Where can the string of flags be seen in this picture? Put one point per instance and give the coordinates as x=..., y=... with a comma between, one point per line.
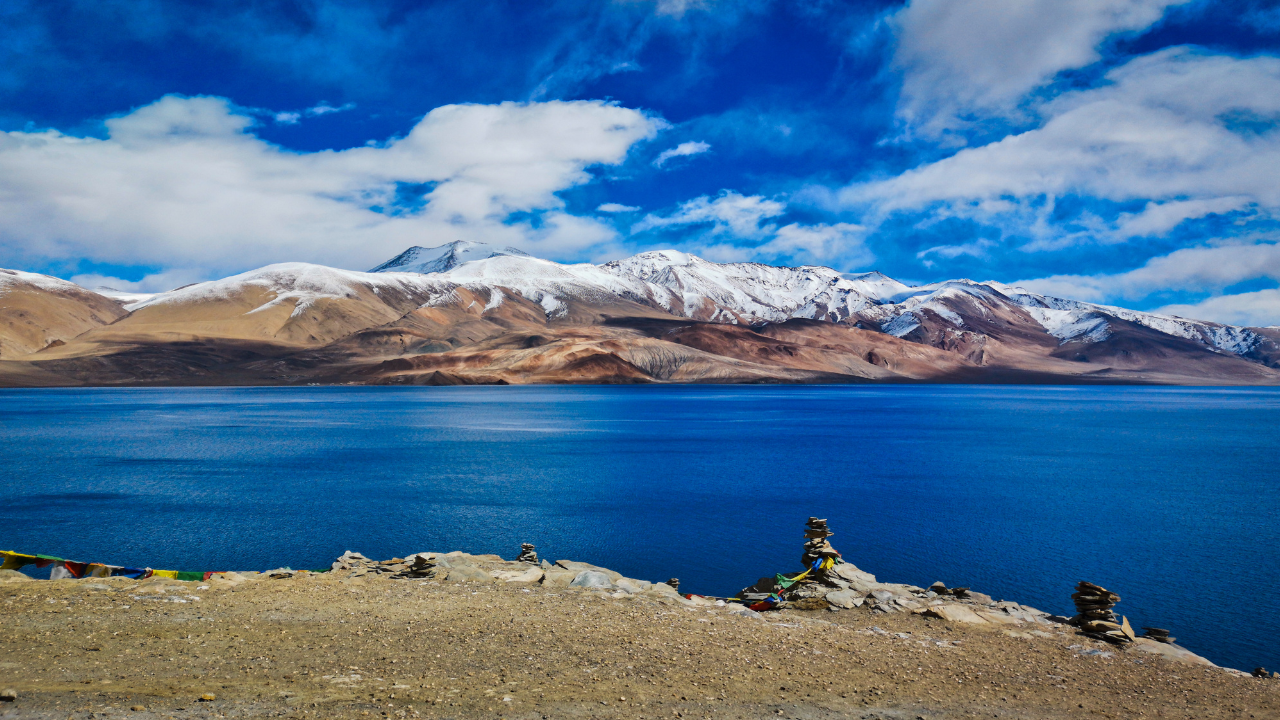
x=64, y=569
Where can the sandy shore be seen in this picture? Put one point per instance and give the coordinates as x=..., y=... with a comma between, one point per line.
x=325, y=645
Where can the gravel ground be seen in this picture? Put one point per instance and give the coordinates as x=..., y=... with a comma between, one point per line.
x=321, y=646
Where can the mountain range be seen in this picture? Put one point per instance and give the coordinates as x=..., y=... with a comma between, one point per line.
x=470, y=313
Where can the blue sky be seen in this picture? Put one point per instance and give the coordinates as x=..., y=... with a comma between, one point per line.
x=1119, y=151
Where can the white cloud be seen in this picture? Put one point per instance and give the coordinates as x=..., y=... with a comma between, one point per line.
x=1253, y=309
x=685, y=148
x=822, y=242
x=1205, y=269
x=617, y=208
x=154, y=282
x=288, y=118
x=960, y=57
x=184, y=183
x=325, y=108
x=728, y=212
x=1172, y=128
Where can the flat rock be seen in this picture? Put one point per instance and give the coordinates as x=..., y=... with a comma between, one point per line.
x=532, y=575
x=468, y=573
x=846, y=599
x=1169, y=651
x=954, y=612
x=996, y=617
x=581, y=566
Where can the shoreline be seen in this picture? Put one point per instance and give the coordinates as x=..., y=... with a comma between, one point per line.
x=478, y=636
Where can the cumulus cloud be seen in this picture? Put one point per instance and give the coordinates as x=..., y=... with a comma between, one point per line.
x=1203, y=269
x=964, y=57
x=729, y=212
x=1190, y=133
x=685, y=148
x=617, y=208
x=184, y=182
x=821, y=243
x=1253, y=309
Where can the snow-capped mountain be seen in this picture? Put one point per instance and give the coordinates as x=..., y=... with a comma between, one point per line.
x=473, y=313
x=445, y=257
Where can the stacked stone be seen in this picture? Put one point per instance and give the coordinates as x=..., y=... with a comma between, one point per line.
x=527, y=554
x=1095, y=616
x=817, y=548
x=1157, y=634
x=674, y=583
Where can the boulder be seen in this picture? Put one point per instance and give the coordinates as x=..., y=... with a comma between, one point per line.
x=632, y=586
x=557, y=577
x=978, y=597
x=664, y=589
x=592, y=579
x=846, y=599
x=13, y=576
x=954, y=612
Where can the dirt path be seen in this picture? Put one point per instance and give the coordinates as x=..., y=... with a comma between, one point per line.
x=322, y=646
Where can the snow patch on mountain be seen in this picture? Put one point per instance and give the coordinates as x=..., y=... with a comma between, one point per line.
x=758, y=293
x=122, y=296
x=302, y=283
x=1068, y=325
x=444, y=257
x=1227, y=338
x=15, y=279
x=551, y=284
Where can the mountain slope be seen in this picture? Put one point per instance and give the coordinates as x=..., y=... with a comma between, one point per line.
x=39, y=310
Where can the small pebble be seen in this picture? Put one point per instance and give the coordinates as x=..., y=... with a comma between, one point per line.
x=8, y=695
x=208, y=697
x=137, y=708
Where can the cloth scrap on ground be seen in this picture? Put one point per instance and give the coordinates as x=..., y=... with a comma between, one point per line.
x=64, y=569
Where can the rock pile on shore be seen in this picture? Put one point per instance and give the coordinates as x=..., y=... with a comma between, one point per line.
x=527, y=554
x=1157, y=634
x=1095, y=616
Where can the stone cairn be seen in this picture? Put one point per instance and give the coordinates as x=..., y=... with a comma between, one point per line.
x=816, y=549
x=1095, y=616
x=1157, y=634
x=527, y=554
x=674, y=583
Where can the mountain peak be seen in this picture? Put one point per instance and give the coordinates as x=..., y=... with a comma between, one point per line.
x=445, y=257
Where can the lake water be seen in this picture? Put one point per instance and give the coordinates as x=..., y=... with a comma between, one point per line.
x=1168, y=496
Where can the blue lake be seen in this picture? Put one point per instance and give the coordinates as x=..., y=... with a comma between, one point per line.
x=1168, y=496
